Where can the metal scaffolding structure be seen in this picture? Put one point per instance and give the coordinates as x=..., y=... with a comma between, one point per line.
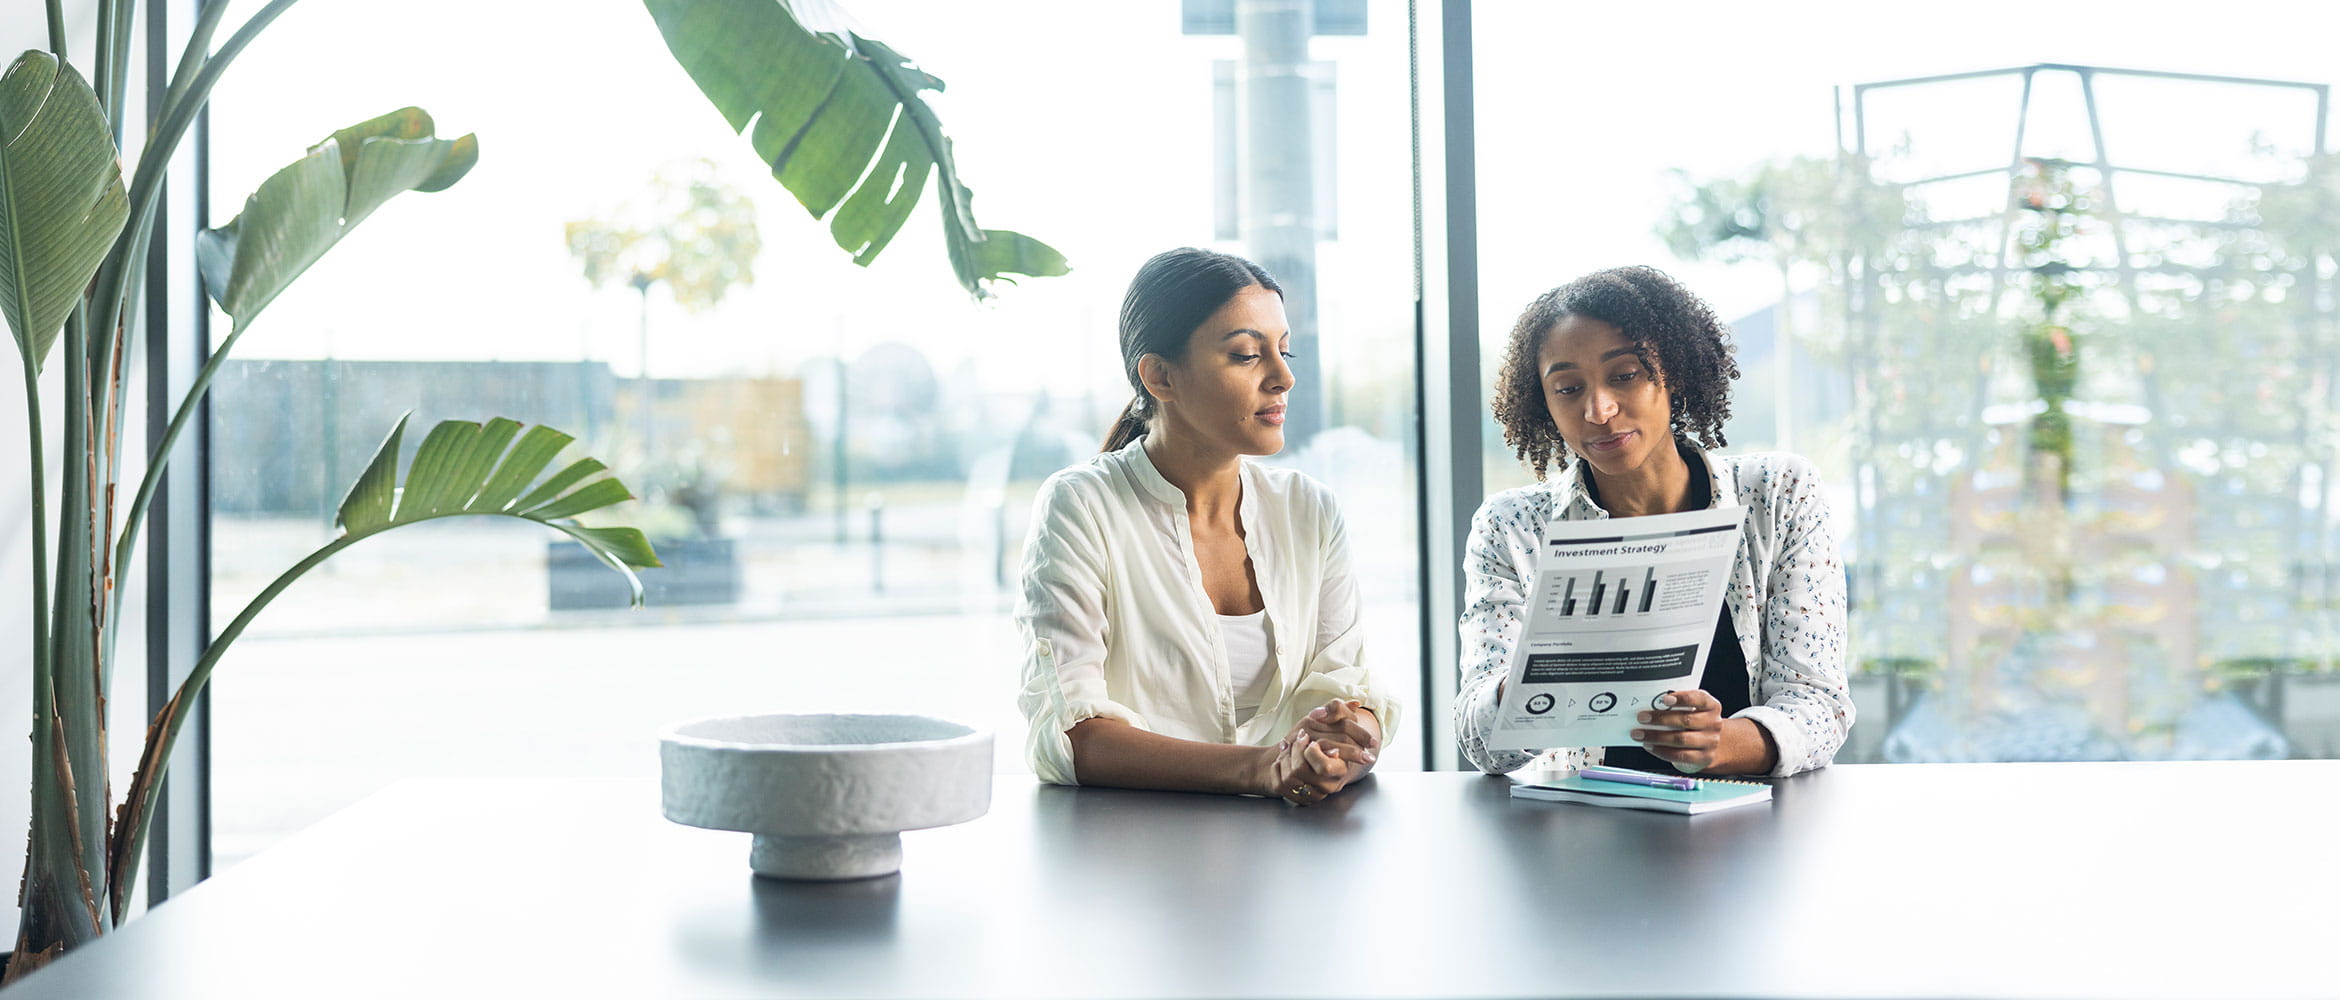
x=1930, y=448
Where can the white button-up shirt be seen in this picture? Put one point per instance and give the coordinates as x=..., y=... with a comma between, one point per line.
x=1116, y=624
x=1786, y=599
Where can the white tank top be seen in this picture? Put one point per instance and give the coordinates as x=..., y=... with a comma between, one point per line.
x=1251, y=664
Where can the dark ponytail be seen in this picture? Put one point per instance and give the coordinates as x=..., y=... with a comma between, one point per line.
x=1129, y=426
x=1168, y=300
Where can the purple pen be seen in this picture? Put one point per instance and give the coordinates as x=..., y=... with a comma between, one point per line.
x=1625, y=777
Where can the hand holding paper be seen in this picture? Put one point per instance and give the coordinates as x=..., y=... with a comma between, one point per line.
x=1621, y=611
x=1687, y=733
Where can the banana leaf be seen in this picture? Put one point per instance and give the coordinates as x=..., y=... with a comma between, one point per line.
x=61, y=197
x=839, y=118
x=298, y=214
x=307, y=207
x=461, y=469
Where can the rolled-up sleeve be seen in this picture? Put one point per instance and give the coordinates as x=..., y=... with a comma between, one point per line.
x=1807, y=705
x=1061, y=617
x=1336, y=659
x=1494, y=611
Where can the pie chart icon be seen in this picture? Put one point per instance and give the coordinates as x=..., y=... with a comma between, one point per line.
x=1602, y=702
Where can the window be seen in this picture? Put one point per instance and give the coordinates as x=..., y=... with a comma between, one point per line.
x=837, y=462
x=2058, y=335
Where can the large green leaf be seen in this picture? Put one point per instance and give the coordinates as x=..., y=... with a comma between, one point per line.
x=61, y=197
x=840, y=119
x=307, y=207
x=462, y=469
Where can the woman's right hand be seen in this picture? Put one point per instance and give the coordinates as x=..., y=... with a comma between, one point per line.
x=1300, y=771
x=1310, y=764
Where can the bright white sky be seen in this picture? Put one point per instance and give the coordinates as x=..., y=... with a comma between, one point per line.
x=1086, y=124
x=1582, y=105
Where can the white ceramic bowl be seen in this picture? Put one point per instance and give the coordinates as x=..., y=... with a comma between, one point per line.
x=826, y=796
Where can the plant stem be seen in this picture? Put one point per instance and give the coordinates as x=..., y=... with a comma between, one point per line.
x=57, y=28
x=160, y=458
x=105, y=475
x=129, y=837
x=163, y=733
x=76, y=675
x=40, y=536
x=103, y=79
x=185, y=101
x=133, y=288
x=68, y=477
x=176, y=117
x=125, y=12
x=198, y=50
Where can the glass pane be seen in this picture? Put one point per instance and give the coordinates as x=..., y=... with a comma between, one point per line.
x=837, y=462
x=2060, y=337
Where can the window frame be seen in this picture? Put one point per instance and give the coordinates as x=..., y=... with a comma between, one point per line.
x=1447, y=396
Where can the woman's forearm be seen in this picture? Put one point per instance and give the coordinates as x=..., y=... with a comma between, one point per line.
x=1114, y=753
x=1746, y=749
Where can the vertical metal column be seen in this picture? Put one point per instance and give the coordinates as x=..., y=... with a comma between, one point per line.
x=1447, y=389
x=1279, y=174
x=178, y=533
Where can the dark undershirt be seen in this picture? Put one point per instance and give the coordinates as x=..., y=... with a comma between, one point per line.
x=1726, y=664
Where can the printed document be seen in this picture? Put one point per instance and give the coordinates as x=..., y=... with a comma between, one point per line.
x=1620, y=612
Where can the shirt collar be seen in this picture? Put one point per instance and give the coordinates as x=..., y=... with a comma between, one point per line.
x=1149, y=479
x=1576, y=501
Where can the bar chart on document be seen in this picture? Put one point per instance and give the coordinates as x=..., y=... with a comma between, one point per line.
x=1620, y=614
x=1622, y=592
x=1607, y=592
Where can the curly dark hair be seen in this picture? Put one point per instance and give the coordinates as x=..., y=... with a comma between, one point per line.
x=1673, y=332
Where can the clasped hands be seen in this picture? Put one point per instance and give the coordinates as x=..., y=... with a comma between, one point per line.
x=1334, y=745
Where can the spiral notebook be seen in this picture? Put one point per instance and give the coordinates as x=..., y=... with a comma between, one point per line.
x=1710, y=795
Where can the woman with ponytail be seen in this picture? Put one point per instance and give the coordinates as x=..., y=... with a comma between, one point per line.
x=1190, y=619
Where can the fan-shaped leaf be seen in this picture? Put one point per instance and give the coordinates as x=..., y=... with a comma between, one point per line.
x=469, y=468
x=463, y=469
x=431, y=473
x=61, y=197
x=561, y=480
x=591, y=496
x=535, y=451
x=454, y=461
x=367, y=507
x=626, y=546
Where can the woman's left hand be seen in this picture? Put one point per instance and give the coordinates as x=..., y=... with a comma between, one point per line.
x=1348, y=725
x=1336, y=744
x=1691, y=734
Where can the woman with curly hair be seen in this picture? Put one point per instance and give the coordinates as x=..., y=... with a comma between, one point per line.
x=1621, y=379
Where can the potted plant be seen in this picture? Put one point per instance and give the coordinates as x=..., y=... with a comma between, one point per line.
x=78, y=238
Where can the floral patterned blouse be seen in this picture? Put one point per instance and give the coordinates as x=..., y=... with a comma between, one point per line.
x=1786, y=599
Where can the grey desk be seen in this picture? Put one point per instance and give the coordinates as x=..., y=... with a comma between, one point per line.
x=1986, y=880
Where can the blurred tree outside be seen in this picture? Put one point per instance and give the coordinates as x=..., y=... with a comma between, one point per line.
x=2074, y=553
x=696, y=237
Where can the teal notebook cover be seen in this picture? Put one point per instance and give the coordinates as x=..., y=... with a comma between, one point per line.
x=1711, y=794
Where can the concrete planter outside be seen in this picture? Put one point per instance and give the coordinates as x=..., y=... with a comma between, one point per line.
x=696, y=571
